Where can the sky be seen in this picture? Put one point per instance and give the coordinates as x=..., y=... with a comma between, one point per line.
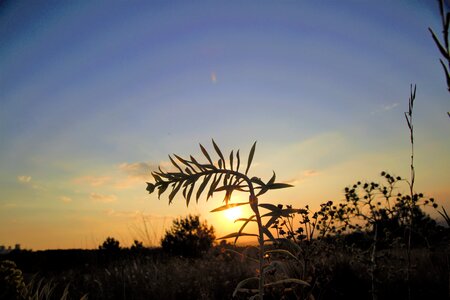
x=95, y=94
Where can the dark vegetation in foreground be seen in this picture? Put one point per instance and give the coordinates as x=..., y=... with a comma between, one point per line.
x=336, y=267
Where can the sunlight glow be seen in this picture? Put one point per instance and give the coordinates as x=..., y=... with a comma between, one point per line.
x=233, y=213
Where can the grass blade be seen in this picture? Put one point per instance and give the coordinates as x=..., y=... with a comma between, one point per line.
x=439, y=45
x=243, y=283
x=288, y=280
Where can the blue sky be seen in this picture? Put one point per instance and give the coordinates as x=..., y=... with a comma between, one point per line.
x=95, y=94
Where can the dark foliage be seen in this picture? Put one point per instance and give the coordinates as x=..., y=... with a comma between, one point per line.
x=137, y=246
x=188, y=237
x=12, y=285
x=110, y=244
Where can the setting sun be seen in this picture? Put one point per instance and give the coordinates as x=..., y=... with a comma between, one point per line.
x=233, y=213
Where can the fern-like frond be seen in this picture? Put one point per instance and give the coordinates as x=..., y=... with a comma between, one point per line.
x=220, y=176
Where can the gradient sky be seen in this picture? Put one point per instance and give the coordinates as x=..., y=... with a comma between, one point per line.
x=95, y=94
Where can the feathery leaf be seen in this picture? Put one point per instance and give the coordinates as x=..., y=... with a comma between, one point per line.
x=275, y=186
x=202, y=186
x=175, y=164
x=272, y=180
x=219, y=153
x=238, y=160
x=175, y=190
x=231, y=160
x=250, y=158
x=205, y=153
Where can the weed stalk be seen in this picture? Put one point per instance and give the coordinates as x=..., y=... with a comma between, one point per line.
x=222, y=176
x=409, y=120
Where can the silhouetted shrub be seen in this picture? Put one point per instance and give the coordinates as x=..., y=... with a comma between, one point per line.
x=137, y=246
x=188, y=237
x=12, y=285
x=110, y=244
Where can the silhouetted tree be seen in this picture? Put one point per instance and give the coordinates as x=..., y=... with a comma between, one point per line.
x=110, y=244
x=137, y=246
x=188, y=237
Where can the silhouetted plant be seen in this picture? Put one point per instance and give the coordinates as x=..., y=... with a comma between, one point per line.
x=137, y=246
x=445, y=216
x=223, y=176
x=110, y=244
x=188, y=237
x=12, y=285
x=374, y=206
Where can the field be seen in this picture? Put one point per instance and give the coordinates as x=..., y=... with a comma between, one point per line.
x=334, y=270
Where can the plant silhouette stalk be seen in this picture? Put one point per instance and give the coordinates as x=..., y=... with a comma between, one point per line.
x=254, y=205
x=409, y=120
x=373, y=260
x=225, y=177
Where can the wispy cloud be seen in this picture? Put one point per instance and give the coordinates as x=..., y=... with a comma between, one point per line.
x=385, y=107
x=95, y=181
x=136, y=214
x=65, y=199
x=96, y=197
x=27, y=180
x=124, y=176
x=213, y=77
x=128, y=182
x=24, y=178
x=140, y=170
x=390, y=106
x=303, y=176
x=122, y=214
x=310, y=173
x=137, y=174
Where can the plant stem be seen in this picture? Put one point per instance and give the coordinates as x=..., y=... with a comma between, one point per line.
x=373, y=261
x=409, y=119
x=254, y=205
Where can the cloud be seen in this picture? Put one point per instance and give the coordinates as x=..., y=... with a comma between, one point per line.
x=386, y=107
x=213, y=77
x=305, y=175
x=65, y=199
x=122, y=214
x=137, y=174
x=92, y=180
x=136, y=215
x=102, y=198
x=310, y=173
x=140, y=170
x=128, y=182
x=125, y=176
x=389, y=106
x=24, y=178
